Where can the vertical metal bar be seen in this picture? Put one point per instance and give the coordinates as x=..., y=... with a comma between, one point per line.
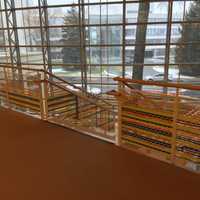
x=168, y=39
x=80, y=35
x=184, y=15
x=124, y=40
x=82, y=44
x=42, y=35
x=100, y=53
x=4, y=37
x=29, y=30
x=77, y=107
x=107, y=124
x=89, y=48
x=4, y=69
x=96, y=116
x=175, y=117
x=119, y=128
x=44, y=31
x=43, y=99
x=107, y=42
x=7, y=88
x=25, y=36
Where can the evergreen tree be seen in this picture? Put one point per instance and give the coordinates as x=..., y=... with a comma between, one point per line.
x=190, y=53
x=71, y=36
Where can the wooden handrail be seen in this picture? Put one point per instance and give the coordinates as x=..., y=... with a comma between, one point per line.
x=142, y=82
x=141, y=94
x=79, y=95
x=58, y=78
x=159, y=83
x=79, y=88
x=22, y=68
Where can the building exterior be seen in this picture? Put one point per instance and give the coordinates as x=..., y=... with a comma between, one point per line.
x=108, y=37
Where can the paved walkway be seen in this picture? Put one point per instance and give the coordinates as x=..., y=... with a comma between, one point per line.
x=40, y=161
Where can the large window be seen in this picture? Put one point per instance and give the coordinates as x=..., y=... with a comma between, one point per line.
x=89, y=42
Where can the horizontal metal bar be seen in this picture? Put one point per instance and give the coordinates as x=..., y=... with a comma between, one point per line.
x=87, y=4
x=105, y=45
x=105, y=24
x=105, y=64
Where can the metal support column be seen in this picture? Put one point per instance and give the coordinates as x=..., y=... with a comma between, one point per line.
x=168, y=39
x=124, y=40
x=13, y=40
x=83, y=55
x=44, y=30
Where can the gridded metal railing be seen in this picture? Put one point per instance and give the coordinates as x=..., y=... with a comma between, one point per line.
x=154, y=118
x=44, y=95
x=161, y=120
x=19, y=93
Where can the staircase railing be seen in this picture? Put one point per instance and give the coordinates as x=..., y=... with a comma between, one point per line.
x=160, y=119
x=51, y=98
x=81, y=90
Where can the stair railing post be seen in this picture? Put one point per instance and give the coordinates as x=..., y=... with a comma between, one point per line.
x=174, y=128
x=43, y=98
x=119, y=120
x=77, y=107
x=7, y=88
x=96, y=116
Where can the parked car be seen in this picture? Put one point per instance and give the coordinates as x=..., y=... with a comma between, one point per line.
x=160, y=77
x=115, y=74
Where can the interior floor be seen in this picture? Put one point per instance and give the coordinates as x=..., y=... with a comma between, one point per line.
x=43, y=161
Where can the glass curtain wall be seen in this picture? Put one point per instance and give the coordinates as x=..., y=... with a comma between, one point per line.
x=88, y=42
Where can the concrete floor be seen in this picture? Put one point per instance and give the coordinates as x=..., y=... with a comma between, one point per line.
x=40, y=161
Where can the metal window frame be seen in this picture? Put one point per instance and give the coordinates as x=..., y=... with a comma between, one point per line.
x=44, y=27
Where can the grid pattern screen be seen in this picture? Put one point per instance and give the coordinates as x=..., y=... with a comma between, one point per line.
x=89, y=42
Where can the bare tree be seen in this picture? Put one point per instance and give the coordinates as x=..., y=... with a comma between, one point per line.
x=139, y=54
